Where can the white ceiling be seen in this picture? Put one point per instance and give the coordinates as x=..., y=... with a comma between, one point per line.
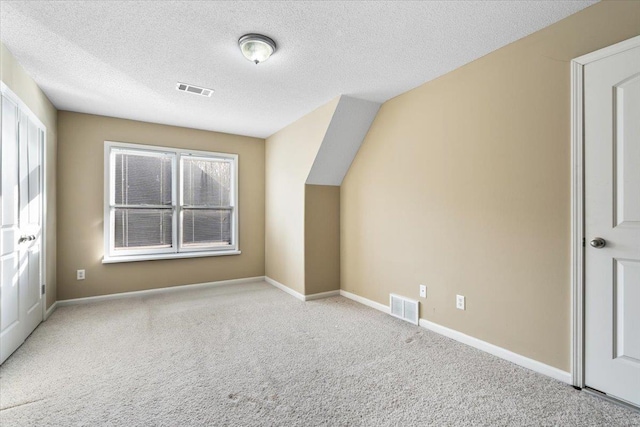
x=123, y=58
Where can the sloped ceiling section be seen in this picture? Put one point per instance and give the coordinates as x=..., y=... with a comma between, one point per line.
x=349, y=125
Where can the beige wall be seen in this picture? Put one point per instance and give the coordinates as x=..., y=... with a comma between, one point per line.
x=14, y=76
x=463, y=184
x=321, y=238
x=80, y=208
x=290, y=153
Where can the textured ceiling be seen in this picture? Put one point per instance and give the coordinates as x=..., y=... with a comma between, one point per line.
x=123, y=59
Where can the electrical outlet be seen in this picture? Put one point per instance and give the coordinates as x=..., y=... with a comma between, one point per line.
x=80, y=275
x=423, y=291
x=460, y=302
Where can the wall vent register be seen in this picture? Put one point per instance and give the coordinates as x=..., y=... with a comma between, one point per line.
x=404, y=308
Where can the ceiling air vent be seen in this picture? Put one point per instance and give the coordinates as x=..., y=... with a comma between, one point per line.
x=196, y=90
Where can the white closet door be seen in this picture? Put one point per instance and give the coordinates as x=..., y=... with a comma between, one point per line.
x=30, y=222
x=20, y=227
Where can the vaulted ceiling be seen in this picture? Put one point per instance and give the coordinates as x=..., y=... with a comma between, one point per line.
x=123, y=58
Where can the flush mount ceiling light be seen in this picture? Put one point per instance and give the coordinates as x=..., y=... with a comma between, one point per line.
x=256, y=47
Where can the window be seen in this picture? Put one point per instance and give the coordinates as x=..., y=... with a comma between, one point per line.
x=168, y=203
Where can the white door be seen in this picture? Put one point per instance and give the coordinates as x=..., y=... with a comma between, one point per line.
x=21, y=299
x=612, y=225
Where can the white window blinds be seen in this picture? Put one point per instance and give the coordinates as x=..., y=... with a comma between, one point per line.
x=206, y=207
x=163, y=201
x=142, y=209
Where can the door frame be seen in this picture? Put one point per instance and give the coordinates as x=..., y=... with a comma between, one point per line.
x=577, y=201
x=6, y=91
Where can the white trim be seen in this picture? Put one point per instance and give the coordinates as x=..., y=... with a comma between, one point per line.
x=284, y=288
x=169, y=255
x=577, y=201
x=157, y=291
x=500, y=352
x=298, y=295
x=51, y=309
x=608, y=51
x=321, y=295
x=107, y=227
x=369, y=303
x=43, y=212
x=15, y=98
x=577, y=226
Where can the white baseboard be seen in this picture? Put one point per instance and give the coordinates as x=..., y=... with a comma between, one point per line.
x=156, y=291
x=298, y=295
x=50, y=310
x=362, y=300
x=500, y=352
x=284, y=288
x=321, y=295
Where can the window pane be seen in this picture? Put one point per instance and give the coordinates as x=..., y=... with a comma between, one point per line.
x=206, y=227
x=141, y=179
x=143, y=228
x=207, y=182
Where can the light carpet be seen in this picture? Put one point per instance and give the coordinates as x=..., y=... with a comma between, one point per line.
x=251, y=355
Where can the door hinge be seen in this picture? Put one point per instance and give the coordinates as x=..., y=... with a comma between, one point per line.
x=43, y=289
x=583, y=242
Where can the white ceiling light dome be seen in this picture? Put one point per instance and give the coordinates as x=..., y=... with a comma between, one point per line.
x=256, y=47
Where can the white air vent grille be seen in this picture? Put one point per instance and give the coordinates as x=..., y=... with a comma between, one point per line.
x=404, y=308
x=196, y=90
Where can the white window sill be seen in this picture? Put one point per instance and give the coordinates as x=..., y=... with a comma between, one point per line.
x=132, y=258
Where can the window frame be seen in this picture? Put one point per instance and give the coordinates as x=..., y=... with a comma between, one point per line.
x=182, y=206
x=176, y=251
